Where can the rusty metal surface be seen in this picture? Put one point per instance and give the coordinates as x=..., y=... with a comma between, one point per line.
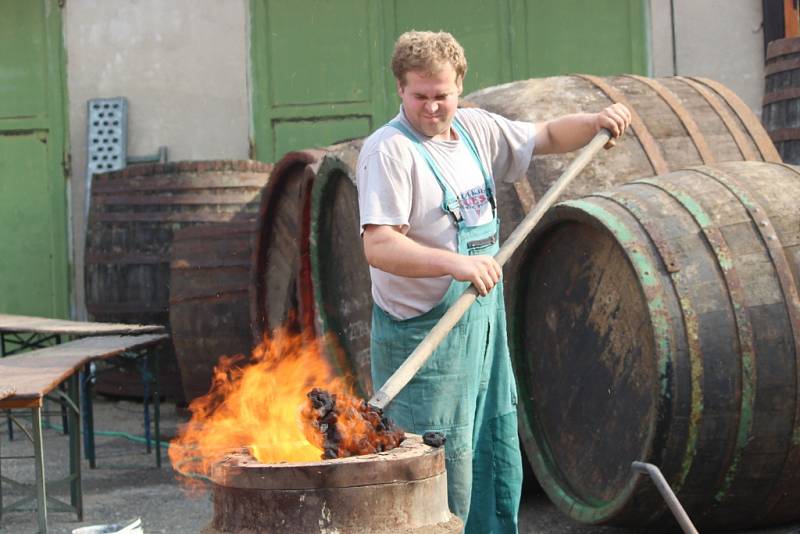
x=394, y=492
x=782, y=66
x=683, y=115
x=649, y=144
x=781, y=47
x=781, y=95
x=411, y=460
x=785, y=134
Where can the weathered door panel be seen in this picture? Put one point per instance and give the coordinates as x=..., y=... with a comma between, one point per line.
x=33, y=237
x=574, y=36
x=321, y=67
x=314, y=66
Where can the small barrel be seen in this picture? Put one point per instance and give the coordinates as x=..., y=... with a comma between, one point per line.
x=134, y=213
x=660, y=322
x=781, y=111
x=209, y=304
x=280, y=255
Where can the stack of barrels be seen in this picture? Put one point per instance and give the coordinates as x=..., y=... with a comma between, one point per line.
x=653, y=315
x=781, y=111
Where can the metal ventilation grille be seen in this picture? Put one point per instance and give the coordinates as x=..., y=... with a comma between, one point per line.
x=107, y=143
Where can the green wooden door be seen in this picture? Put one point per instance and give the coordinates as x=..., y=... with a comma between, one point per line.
x=313, y=64
x=34, y=268
x=321, y=67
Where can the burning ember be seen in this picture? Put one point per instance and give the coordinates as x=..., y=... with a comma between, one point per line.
x=343, y=425
x=264, y=405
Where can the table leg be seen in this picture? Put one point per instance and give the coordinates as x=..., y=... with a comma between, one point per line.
x=156, y=403
x=145, y=371
x=75, y=490
x=88, y=414
x=38, y=452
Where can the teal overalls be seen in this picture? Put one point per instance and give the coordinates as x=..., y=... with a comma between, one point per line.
x=466, y=389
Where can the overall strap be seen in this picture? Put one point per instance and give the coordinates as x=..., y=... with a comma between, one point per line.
x=450, y=203
x=487, y=179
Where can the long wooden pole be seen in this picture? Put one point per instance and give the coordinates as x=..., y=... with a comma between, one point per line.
x=417, y=359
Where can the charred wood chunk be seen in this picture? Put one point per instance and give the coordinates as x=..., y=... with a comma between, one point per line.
x=434, y=439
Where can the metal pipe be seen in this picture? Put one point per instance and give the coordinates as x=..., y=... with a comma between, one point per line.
x=663, y=488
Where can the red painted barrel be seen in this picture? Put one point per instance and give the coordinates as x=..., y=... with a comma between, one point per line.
x=280, y=256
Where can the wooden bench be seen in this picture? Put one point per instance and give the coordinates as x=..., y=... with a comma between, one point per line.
x=20, y=333
x=30, y=376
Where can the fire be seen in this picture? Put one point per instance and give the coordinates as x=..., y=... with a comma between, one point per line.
x=263, y=404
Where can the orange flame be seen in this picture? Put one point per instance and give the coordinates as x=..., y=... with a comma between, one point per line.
x=256, y=404
x=262, y=404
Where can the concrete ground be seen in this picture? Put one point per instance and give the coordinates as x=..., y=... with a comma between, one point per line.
x=126, y=484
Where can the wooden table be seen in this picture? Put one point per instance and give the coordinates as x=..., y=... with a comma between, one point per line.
x=28, y=377
x=20, y=333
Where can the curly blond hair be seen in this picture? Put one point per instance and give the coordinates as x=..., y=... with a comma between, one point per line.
x=427, y=52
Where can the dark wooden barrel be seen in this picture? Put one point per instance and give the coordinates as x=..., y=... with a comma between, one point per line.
x=280, y=254
x=677, y=122
x=340, y=283
x=781, y=111
x=209, y=304
x=133, y=215
x=660, y=321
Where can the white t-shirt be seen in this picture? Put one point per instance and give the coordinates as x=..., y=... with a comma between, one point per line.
x=397, y=187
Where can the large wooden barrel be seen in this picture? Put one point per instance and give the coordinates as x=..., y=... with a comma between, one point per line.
x=133, y=215
x=340, y=283
x=280, y=254
x=209, y=304
x=781, y=112
x=660, y=321
x=679, y=122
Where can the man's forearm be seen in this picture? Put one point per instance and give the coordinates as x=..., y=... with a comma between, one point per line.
x=395, y=253
x=390, y=250
x=566, y=133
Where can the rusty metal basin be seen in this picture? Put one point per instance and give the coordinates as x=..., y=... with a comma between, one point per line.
x=399, y=491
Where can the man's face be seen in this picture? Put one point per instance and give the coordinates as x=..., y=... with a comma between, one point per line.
x=430, y=100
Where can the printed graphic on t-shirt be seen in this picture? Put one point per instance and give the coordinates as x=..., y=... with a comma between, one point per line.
x=475, y=206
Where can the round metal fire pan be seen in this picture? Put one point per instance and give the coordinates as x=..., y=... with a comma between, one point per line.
x=412, y=460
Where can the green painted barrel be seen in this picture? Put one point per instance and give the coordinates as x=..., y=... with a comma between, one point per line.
x=660, y=321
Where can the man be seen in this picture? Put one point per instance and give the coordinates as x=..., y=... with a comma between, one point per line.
x=430, y=228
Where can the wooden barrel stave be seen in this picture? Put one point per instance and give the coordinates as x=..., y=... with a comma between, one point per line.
x=209, y=299
x=721, y=429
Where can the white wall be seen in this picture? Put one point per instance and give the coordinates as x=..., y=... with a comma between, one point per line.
x=718, y=39
x=182, y=65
